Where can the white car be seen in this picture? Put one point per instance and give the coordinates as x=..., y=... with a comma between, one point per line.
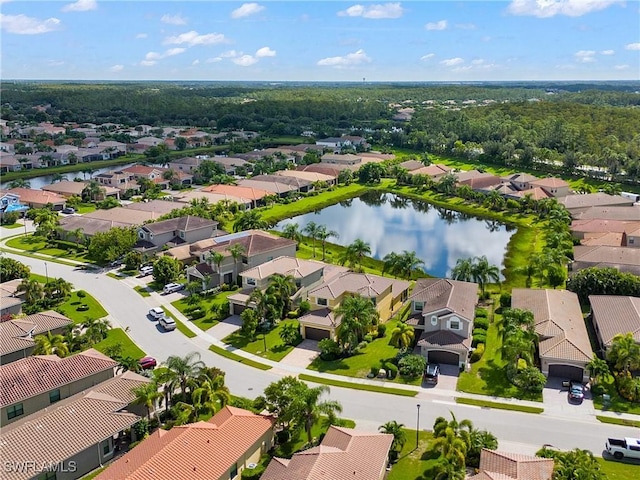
x=172, y=287
x=156, y=312
x=146, y=270
x=167, y=323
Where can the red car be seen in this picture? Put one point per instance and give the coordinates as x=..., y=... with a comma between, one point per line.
x=147, y=362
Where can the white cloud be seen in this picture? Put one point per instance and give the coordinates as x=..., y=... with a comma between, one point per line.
x=230, y=54
x=376, y=12
x=148, y=63
x=173, y=19
x=55, y=63
x=193, y=38
x=550, y=8
x=213, y=60
x=174, y=51
x=195, y=62
x=151, y=58
x=246, y=9
x=81, y=6
x=607, y=52
x=427, y=56
x=355, y=58
x=585, y=56
x=245, y=60
x=452, y=62
x=23, y=25
x=142, y=35
x=116, y=68
x=265, y=52
x=441, y=25
x=621, y=67
x=632, y=46
x=466, y=26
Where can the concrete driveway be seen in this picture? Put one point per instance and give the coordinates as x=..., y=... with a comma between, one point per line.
x=447, y=380
x=556, y=400
x=302, y=355
x=226, y=327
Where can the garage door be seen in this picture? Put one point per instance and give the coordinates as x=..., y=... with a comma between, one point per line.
x=443, y=357
x=238, y=308
x=568, y=372
x=315, y=333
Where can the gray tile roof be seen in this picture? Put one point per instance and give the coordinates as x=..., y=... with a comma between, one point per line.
x=17, y=334
x=441, y=293
x=187, y=223
x=616, y=314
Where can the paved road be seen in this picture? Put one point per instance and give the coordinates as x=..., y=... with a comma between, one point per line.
x=516, y=431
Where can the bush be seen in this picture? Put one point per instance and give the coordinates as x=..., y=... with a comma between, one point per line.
x=412, y=366
x=361, y=346
x=368, y=338
x=382, y=329
x=81, y=293
x=479, y=331
x=477, y=339
x=82, y=308
x=477, y=353
x=283, y=436
x=9, y=218
x=481, y=323
x=196, y=313
x=374, y=370
x=304, y=308
x=253, y=473
x=329, y=349
x=505, y=300
x=482, y=313
x=392, y=370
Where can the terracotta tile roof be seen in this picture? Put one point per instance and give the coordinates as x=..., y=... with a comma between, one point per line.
x=411, y=165
x=324, y=168
x=271, y=186
x=550, y=182
x=17, y=334
x=290, y=180
x=201, y=450
x=28, y=195
x=616, y=314
x=593, y=200
x=296, y=267
x=8, y=289
x=89, y=226
x=482, y=181
x=307, y=176
x=521, y=178
x=442, y=293
x=435, y=170
x=445, y=339
x=608, y=239
x=38, y=374
x=364, y=284
x=498, y=465
x=605, y=254
x=212, y=198
x=238, y=191
x=187, y=223
x=254, y=242
x=603, y=225
x=71, y=425
x=629, y=214
x=159, y=206
x=124, y=215
x=558, y=321
x=343, y=454
x=536, y=193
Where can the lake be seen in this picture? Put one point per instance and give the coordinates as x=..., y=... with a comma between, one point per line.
x=392, y=223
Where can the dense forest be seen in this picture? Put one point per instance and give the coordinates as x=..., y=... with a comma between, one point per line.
x=559, y=126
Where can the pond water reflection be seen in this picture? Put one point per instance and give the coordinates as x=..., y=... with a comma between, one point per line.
x=392, y=223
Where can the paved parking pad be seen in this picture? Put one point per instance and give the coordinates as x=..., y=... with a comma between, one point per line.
x=226, y=327
x=302, y=355
x=448, y=378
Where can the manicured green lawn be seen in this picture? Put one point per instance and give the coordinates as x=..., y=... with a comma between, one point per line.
x=181, y=327
x=299, y=438
x=620, y=470
x=142, y=291
x=487, y=376
x=359, y=365
x=616, y=403
x=499, y=405
x=40, y=278
x=412, y=462
x=13, y=225
x=118, y=335
x=358, y=386
x=85, y=208
x=206, y=304
x=70, y=308
x=276, y=349
x=31, y=243
x=235, y=357
x=618, y=421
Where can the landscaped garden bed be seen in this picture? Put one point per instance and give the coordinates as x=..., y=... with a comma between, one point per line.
x=118, y=336
x=208, y=305
x=80, y=306
x=276, y=349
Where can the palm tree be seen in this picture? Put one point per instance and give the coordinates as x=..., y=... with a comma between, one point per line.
x=391, y=261
x=164, y=377
x=598, y=368
x=624, y=353
x=408, y=262
x=312, y=229
x=216, y=258
x=292, y=232
x=58, y=177
x=51, y=344
x=184, y=368
x=33, y=290
x=249, y=220
x=78, y=235
x=210, y=393
x=399, y=437
x=450, y=470
x=323, y=234
x=451, y=447
x=463, y=270
x=92, y=192
x=58, y=288
x=147, y=394
x=20, y=183
x=264, y=303
x=402, y=336
x=96, y=330
x=237, y=251
x=282, y=287
x=312, y=408
x=355, y=252
x=483, y=272
x=358, y=314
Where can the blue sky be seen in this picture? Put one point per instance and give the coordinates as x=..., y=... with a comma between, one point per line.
x=321, y=40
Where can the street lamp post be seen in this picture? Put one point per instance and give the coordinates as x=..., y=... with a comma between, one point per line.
x=46, y=271
x=264, y=339
x=418, y=427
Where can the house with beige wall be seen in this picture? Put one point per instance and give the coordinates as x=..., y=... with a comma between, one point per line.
x=37, y=382
x=174, y=231
x=612, y=315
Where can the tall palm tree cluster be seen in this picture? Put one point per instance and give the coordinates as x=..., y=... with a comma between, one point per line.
x=270, y=305
x=76, y=339
x=401, y=264
x=189, y=390
x=40, y=297
x=476, y=269
x=624, y=358
x=359, y=316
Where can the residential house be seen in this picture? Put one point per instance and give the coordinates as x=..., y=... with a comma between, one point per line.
x=38, y=198
x=149, y=142
x=498, y=465
x=154, y=174
x=579, y=202
x=34, y=383
x=218, y=449
x=174, y=231
x=275, y=186
x=435, y=171
x=112, y=148
x=564, y=345
x=186, y=164
x=68, y=188
x=119, y=179
x=70, y=225
x=323, y=168
x=231, y=164
x=556, y=187
x=125, y=215
x=249, y=192
x=10, y=163
x=411, y=165
x=75, y=435
x=625, y=214
x=387, y=294
x=306, y=273
x=579, y=228
x=612, y=315
x=17, y=335
x=535, y=193
x=10, y=202
x=158, y=206
x=622, y=258
x=346, y=141
x=11, y=299
x=442, y=313
x=343, y=453
x=211, y=198
x=345, y=161
x=312, y=177
x=478, y=180
x=522, y=181
x=257, y=247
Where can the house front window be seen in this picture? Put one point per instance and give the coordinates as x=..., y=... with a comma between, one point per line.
x=418, y=306
x=54, y=396
x=106, y=447
x=233, y=473
x=322, y=301
x=434, y=320
x=251, y=281
x=454, y=324
x=15, y=411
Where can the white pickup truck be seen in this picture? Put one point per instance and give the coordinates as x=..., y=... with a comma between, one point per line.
x=623, y=447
